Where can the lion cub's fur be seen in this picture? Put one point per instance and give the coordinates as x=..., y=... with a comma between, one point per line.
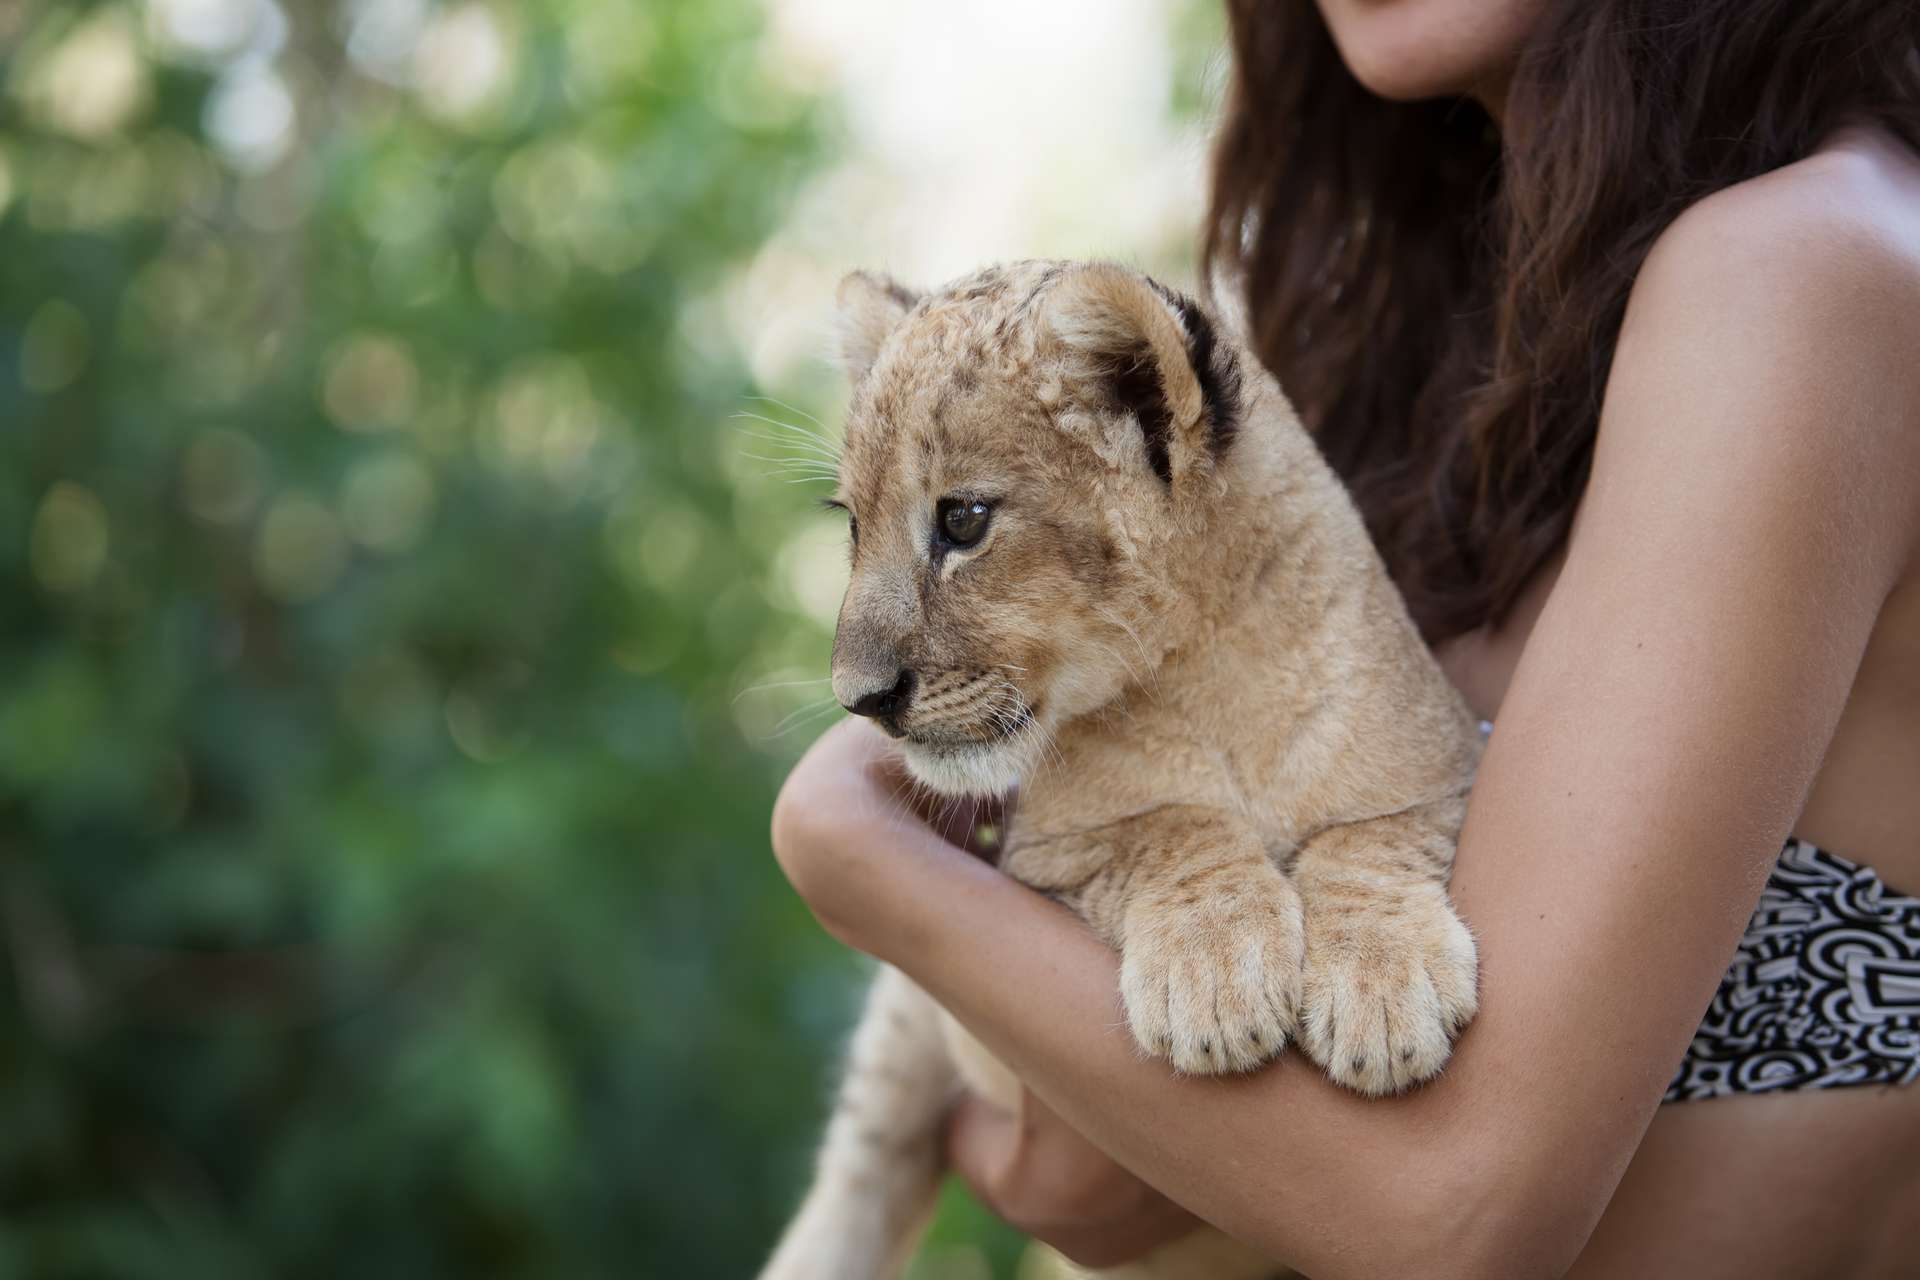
x=1237, y=760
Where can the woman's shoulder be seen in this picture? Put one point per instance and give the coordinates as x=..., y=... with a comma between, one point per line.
x=1796, y=295
x=1774, y=328
x=1829, y=243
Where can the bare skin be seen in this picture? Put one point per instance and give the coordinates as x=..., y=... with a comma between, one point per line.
x=1729, y=650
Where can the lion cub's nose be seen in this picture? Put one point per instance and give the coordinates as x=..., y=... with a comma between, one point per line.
x=882, y=704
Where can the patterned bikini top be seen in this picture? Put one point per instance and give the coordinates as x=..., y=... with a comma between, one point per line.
x=1824, y=990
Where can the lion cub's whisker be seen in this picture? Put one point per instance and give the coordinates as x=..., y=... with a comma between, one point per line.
x=769, y=685
x=791, y=409
x=798, y=434
x=811, y=713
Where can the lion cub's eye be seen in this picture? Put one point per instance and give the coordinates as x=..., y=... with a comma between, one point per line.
x=962, y=521
x=853, y=522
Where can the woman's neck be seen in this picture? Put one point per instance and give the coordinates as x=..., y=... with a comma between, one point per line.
x=1492, y=92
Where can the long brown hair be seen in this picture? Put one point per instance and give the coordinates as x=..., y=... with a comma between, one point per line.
x=1441, y=303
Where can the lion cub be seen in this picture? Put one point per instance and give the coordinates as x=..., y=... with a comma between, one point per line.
x=1095, y=554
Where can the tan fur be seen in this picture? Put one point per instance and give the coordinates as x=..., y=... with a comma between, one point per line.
x=1236, y=758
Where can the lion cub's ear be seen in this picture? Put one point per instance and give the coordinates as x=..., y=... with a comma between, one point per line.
x=871, y=305
x=1152, y=354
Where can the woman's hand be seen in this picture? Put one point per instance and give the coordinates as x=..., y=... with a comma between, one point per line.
x=849, y=823
x=1046, y=1180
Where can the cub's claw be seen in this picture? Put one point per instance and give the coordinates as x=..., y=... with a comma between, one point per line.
x=1215, y=986
x=1385, y=991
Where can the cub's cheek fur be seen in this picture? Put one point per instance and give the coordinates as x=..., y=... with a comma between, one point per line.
x=982, y=770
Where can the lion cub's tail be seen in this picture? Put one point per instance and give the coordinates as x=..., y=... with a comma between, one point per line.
x=879, y=1168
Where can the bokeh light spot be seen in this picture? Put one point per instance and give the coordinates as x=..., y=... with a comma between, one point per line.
x=548, y=194
x=68, y=544
x=608, y=45
x=55, y=348
x=222, y=476
x=301, y=551
x=208, y=31
x=371, y=384
x=387, y=502
x=381, y=35
x=250, y=115
x=460, y=65
x=813, y=568
x=656, y=543
x=93, y=83
x=545, y=414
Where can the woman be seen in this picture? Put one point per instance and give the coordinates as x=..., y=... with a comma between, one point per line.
x=1609, y=311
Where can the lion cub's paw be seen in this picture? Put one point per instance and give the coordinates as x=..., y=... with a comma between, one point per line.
x=1385, y=990
x=1214, y=984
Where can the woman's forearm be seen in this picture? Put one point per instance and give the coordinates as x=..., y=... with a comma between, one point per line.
x=1319, y=1177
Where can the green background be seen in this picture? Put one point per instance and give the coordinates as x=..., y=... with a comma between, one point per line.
x=384, y=885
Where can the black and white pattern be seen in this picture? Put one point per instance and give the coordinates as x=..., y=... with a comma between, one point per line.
x=1824, y=990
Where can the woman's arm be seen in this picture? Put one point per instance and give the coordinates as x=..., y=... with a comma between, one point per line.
x=1753, y=499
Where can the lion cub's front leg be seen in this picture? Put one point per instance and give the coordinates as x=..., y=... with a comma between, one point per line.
x=1208, y=928
x=1391, y=969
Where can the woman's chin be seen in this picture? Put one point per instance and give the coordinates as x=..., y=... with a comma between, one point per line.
x=1418, y=50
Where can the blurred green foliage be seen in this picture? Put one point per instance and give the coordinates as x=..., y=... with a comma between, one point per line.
x=383, y=875
x=383, y=872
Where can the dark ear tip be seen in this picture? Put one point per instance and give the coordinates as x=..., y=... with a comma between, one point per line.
x=1172, y=296
x=1215, y=366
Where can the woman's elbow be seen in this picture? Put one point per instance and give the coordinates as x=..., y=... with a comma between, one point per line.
x=1466, y=1221
x=1480, y=1225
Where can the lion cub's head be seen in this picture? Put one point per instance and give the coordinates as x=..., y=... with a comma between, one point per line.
x=1031, y=453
